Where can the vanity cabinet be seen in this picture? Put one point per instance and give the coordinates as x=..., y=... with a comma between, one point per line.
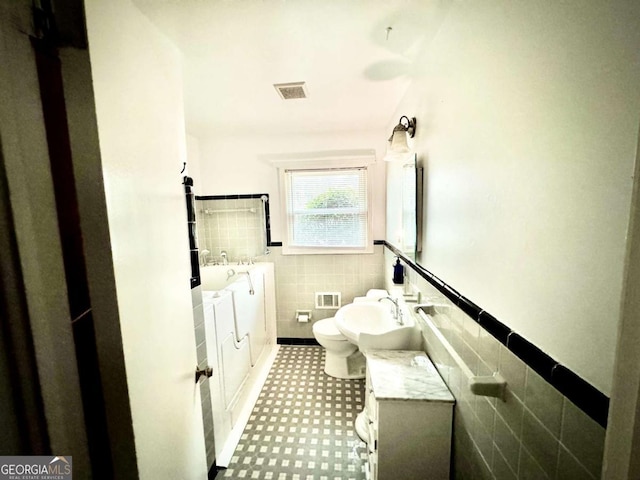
x=409, y=412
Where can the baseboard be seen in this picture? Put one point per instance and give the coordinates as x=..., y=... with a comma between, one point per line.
x=213, y=471
x=297, y=341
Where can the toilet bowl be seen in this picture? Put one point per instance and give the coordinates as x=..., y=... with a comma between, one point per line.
x=342, y=358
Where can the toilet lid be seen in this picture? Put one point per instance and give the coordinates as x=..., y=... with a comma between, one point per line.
x=327, y=328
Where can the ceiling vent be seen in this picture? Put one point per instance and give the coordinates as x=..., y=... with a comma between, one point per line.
x=290, y=91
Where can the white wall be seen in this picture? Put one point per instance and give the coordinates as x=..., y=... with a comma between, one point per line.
x=233, y=165
x=193, y=160
x=138, y=90
x=527, y=126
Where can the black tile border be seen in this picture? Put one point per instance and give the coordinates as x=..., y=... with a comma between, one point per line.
x=580, y=392
x=492, y=325
x=539, y=361
x=235, y=196
x=213, y=471
x=279, y=244
x=470, y=308
x=297, y=341
x=267, y=220
x=589, y=399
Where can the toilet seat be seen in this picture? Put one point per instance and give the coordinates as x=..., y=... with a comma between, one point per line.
x=327, y=328
x=342, y=358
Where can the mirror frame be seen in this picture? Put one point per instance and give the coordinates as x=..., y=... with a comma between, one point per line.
x=404, y=213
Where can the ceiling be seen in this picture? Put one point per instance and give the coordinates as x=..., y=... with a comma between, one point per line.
x=356, y=71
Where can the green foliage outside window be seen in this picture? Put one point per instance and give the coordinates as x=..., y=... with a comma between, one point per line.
x=335, y=198
x=331, y=228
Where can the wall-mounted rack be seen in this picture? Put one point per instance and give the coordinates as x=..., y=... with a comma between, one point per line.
x=484, y=385
x=207, y=211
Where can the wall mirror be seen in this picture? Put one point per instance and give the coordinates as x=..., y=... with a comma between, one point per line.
x=232, y=228
x=404, y=206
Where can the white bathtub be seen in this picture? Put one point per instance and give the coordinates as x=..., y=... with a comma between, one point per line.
x=246, y=284
x=239, y=311
x=214, y=278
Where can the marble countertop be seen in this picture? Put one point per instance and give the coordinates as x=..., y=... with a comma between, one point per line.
x=405, y=375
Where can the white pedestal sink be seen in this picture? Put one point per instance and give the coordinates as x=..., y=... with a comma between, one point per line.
x=370, y=325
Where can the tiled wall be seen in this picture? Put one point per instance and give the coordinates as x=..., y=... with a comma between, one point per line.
x=537, y=433
x=235, y=225
x=298, y=277
x=205, y=392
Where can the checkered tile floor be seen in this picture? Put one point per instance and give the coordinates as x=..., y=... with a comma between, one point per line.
x=301, y=427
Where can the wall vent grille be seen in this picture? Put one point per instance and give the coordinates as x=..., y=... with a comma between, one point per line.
x=291, y=91
x=328, y=300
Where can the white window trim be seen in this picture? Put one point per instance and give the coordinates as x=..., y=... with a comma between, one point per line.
x=325, y=163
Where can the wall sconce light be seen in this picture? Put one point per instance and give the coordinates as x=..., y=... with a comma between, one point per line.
x=399, y=147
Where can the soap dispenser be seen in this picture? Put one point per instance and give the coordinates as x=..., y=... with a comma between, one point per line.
x=398, y=272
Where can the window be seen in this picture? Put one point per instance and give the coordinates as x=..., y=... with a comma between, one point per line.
x=327, y=210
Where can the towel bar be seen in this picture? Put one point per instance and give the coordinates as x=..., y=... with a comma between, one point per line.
x=484, y=385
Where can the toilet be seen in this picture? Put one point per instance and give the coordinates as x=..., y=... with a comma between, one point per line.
x=342, y=359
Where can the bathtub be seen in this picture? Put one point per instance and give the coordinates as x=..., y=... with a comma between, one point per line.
x=214, y=278
x=239, y=314
x=246, y=284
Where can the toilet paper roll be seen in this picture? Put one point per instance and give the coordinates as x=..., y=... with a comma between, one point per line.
x=302, y=318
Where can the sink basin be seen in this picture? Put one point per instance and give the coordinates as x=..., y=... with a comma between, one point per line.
x=371, y=325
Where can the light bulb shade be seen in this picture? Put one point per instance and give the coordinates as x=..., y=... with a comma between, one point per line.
x=397, y=157
x=399, y=142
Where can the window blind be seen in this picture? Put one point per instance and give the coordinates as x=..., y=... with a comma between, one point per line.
x=327, y=208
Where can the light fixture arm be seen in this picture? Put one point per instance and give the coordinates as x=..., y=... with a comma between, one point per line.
x=409, y=126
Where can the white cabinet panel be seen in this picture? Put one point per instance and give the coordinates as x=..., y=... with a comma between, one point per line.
x=409, y=424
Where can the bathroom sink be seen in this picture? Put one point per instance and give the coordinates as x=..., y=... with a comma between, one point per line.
x=371, y=325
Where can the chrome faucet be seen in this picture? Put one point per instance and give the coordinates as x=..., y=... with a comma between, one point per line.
x=396, y=312
x=223, y=255
x=204, y=254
